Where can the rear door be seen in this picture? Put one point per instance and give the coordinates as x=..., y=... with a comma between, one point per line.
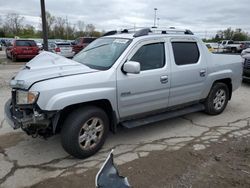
x=149, y=90
x=189, y=71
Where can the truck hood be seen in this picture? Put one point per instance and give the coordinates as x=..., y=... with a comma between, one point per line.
x=45, y=66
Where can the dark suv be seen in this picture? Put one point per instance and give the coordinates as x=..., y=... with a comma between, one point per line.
x=246, y=69
x=81, y=43
x=246, y=65
x=21, y=49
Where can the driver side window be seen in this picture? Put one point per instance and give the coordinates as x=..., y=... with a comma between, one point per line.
x=150, y=56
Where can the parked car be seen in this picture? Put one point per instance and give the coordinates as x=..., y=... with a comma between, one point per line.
x=104, y=86
x=61, y=48
x=39, y=45
x=246, y=65
x=230, y=46
x=245, y=45
x=81, y=43
x=21, y=49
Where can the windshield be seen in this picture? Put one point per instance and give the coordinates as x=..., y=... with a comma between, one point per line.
x=102, y=53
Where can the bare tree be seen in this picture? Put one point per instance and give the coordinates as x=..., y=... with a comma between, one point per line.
x=80, y=25
x=13, y=23
x=60, y=27
x=90, y=28
x=50, y=20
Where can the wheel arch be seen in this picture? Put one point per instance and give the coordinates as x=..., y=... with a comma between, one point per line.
x=228, y=82
x=104, y=104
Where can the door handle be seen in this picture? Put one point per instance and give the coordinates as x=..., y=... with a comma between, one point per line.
x=202, y=73
x=164, y=79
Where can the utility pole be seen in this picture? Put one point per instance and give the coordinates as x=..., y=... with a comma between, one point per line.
x=155, y=9
x=158, y=24
x=44, y=24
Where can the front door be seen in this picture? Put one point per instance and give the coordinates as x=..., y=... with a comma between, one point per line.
x=149, y=90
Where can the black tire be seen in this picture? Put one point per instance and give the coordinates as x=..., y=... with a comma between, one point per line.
x=234, y=50
x=7, y=55
x=210, y=107
x=13, y=58
x=73, y=128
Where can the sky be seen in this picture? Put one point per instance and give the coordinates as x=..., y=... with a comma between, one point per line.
x=203, y=17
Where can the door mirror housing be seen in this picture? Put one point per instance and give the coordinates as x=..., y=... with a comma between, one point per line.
x=132, y=67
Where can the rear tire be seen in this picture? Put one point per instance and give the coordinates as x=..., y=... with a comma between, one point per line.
x=234, y=50
x=84, y=131
x=217, y=99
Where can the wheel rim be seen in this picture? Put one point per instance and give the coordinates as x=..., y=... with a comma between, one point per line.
x=219, y=99
x=91, y=133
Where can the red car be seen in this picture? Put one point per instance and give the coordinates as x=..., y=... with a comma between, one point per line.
x=21, y=49
x=81, y=43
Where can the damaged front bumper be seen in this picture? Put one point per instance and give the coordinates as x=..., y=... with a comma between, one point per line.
x=9, y=117
x=32, y=122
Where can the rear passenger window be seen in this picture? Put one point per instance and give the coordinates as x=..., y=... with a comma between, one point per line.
x=150, y=56
x=185, y=53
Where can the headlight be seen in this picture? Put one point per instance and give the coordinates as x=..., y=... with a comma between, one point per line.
x=26, y=97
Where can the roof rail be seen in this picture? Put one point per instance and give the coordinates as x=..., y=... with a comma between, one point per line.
x=142, y=32
x=146, y=31
x=110, y=33
x=172, y=30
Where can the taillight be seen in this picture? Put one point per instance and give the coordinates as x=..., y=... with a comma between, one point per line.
x=57, y=49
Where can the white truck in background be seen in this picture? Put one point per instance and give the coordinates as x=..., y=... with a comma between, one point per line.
x=230, y=46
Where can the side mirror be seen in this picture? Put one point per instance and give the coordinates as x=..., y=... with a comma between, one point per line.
x=132, y=67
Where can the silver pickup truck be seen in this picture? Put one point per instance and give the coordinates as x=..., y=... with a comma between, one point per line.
x=126, y=79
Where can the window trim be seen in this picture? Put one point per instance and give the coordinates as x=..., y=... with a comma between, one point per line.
x=186, y=41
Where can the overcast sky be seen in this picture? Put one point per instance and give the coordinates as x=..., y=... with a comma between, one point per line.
x=197, y=15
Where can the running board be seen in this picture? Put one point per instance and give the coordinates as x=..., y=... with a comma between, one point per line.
x=162, y=116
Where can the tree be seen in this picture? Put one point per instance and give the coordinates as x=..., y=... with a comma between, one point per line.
x=28, y=31
x=240, y=35
x=228, y=34
x=80, y=25
x=13, y=23
x=50, y=20
x=90, y=28
x=59, y=27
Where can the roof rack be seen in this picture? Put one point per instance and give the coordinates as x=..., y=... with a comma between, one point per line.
x=146, y=31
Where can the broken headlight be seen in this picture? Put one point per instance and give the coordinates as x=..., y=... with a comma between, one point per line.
x=26, y=97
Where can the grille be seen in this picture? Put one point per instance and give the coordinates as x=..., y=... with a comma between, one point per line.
x=247, y=64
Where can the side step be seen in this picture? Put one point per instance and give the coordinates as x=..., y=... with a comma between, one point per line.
x=162, y=116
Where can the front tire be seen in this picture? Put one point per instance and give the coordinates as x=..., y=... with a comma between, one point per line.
x=13, y=58
x=84, y=131
x=217, y=99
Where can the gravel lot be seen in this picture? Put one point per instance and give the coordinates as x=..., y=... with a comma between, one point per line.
x=181, y=152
